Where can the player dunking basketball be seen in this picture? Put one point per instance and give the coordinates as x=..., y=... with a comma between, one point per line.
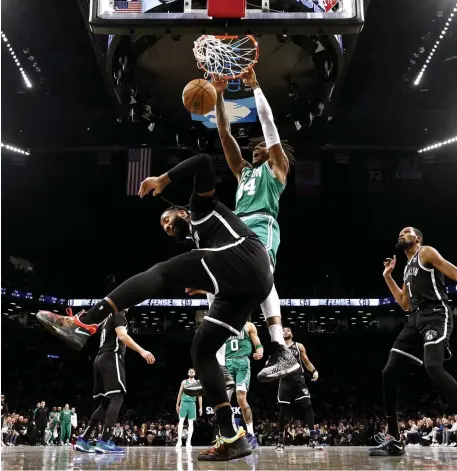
x=424, y=339
x=293, y=388
x=260, y=186
x=229, y=262
x=185, y=407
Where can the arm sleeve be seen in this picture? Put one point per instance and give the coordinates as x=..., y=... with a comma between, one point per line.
x=201, y=168
x=270, y=132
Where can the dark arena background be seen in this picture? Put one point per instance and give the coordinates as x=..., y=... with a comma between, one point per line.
x=364, y=91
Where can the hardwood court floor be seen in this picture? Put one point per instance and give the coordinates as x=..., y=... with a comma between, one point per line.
x=294, y=458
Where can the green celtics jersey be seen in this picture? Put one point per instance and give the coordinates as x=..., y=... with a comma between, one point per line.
x=185, y=397
x=238, y=345
x=258, y=191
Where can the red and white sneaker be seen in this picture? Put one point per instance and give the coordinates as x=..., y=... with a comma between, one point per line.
x=68, y=328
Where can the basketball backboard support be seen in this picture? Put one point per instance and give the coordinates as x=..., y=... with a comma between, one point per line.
x=177, y=17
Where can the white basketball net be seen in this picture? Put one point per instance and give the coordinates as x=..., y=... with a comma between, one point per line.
x=228, y=57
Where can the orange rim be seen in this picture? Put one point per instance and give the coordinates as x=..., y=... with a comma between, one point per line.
x=232, y=77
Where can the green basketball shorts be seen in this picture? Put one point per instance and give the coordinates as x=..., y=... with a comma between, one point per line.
x=267, y=229
x=240, y=369
x=188, y=409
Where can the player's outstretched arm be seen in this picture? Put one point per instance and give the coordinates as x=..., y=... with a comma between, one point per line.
x=199, y=166
x=125, y=338
x=433, y=257
x=277, y=158
x=231, y=148
x=309, y=366
x=252, y=331
x=178, y=399
x=400, y=295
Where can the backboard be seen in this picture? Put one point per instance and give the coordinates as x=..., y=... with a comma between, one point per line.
x=177, y=17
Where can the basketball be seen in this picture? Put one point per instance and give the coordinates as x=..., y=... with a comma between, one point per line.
x=199, y=96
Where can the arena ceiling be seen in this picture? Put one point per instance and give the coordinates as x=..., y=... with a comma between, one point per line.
x=71, y=103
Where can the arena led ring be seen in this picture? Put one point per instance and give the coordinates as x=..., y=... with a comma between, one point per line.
x=438, y=145
x=27, y=82
x=15, y=149
x=435, y=46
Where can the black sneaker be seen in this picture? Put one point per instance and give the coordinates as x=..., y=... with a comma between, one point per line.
x=226, y=449
x=196, y=389
x=388, y=446
x=279, y=447
x=65, y=328
x=281, y=363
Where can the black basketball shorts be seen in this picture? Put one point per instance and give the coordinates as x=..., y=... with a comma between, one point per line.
x=109, y=374
x=293, y=388
x=427, y=325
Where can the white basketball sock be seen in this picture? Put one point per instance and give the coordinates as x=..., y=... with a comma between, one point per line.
x=250, y=428
x=276, y=333
x=180, y=429
x=190, y=432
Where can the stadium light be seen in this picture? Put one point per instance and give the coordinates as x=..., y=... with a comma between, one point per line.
x=27, y=82
x=438, y=145
x=15, y=149
x=437, y=42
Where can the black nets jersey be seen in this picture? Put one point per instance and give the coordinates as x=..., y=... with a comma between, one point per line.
x=293, y=347
x=109, y=341
x=214, y=226
x=424, y=284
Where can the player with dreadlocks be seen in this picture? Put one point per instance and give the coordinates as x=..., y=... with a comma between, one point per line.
x=260, y=186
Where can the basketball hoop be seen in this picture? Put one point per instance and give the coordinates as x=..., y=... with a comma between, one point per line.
x=227, y=56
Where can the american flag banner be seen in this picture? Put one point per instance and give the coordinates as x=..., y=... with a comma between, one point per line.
x=131, y=6
x=139, y=167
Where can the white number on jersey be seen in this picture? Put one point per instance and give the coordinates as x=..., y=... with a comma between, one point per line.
x=234, y=345
x=409, y=289
x=247, y=187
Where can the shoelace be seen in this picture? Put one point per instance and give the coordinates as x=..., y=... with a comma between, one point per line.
x=382, y=439
x=218, y=442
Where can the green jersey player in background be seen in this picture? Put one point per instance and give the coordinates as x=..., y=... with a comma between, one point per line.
x=186, y=408
x=238, y=349
x=260, y=186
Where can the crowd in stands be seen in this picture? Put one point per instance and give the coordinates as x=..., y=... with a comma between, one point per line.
x=40, y=426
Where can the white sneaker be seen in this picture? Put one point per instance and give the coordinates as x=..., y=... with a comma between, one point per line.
x=178, y=445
